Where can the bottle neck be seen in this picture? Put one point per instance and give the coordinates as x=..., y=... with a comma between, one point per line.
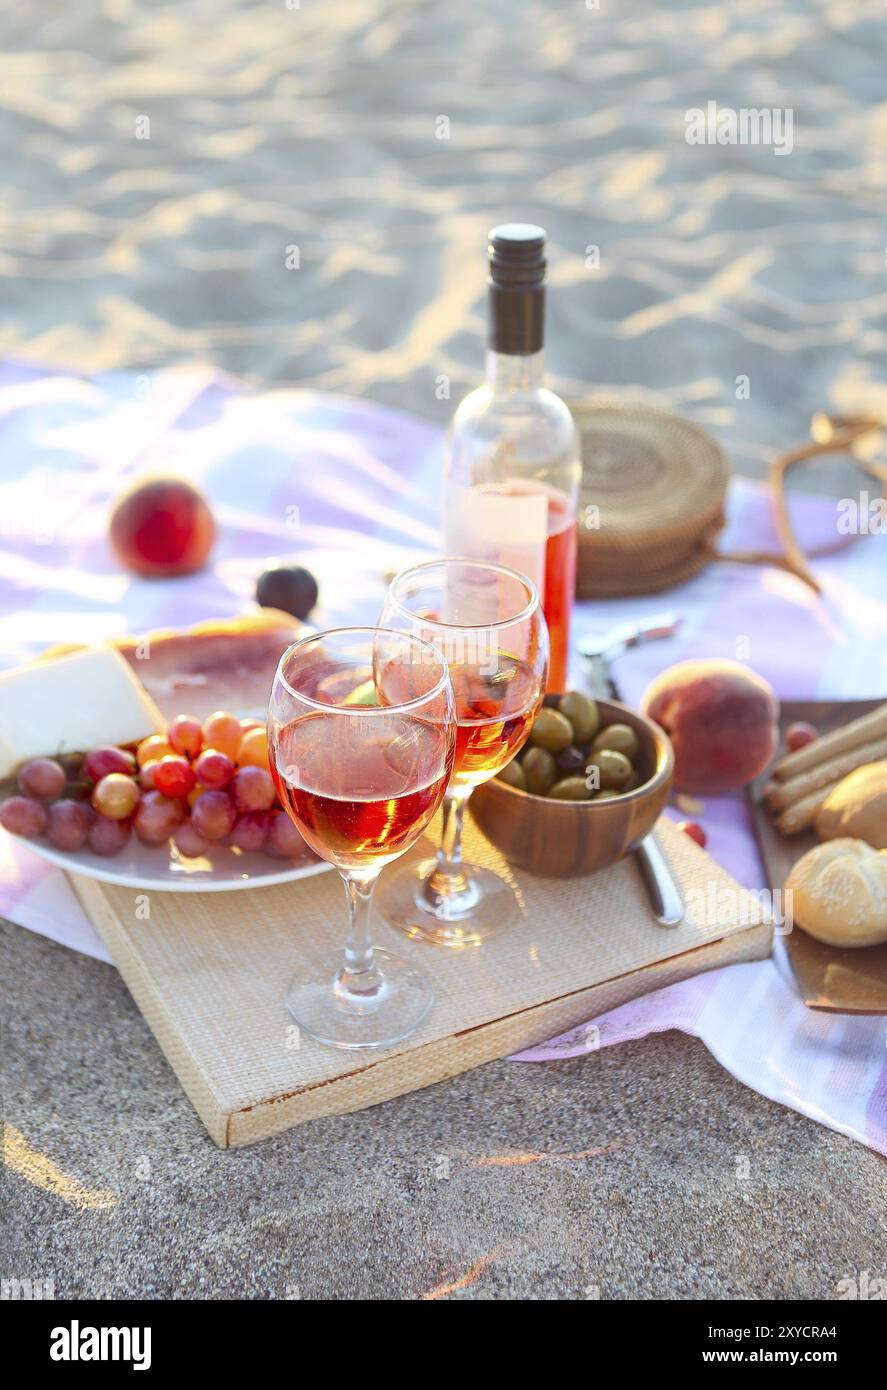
x=515, y=318
x=511, y=372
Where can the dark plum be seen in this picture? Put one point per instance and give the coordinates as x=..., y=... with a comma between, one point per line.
x=289, y=587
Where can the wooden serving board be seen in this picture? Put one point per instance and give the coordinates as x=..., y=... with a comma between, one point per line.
x=210, y=970
x=830, y=979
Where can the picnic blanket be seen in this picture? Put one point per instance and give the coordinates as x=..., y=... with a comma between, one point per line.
x=352, y=490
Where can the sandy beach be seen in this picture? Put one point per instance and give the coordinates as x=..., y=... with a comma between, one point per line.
x=301, y=196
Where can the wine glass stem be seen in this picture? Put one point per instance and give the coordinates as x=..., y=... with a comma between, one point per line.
x=359, y=977
x=448, y=879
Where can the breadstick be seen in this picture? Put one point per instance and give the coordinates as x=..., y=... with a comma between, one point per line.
x=863, y=730
x=780, y=795
x=803, y=813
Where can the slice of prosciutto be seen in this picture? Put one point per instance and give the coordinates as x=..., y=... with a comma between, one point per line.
x=225, y=664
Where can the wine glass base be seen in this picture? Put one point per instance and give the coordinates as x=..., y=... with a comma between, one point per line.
x=396, y=1010
x=487, y=906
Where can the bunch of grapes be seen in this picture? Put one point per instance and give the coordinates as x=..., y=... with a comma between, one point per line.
x=199, y=784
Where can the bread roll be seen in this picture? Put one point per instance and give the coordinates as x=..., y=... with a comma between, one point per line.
x=839, y=893
x=857, y=807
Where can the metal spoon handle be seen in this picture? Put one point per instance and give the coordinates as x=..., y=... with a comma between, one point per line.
x=665, y=895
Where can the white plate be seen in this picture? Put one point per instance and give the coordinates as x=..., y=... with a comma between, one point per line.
x=163, y=869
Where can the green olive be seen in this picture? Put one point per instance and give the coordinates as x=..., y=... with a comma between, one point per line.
x=582, y=713
x=613, y=769
x=539, y=770
x=620, y=737
x=552, y=731
x=571, y=789
x=512, y=775
x=608, y=796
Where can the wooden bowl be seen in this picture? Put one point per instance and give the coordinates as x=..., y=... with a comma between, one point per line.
x=563, y=839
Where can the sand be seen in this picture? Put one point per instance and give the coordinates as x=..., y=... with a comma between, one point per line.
x=169, y=163
x=616, y=1176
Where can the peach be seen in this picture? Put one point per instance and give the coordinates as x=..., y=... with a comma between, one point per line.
x=722, y=720
x=162, y=527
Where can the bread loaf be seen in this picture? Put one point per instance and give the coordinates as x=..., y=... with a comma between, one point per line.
x=857, y=807
x=838, y=893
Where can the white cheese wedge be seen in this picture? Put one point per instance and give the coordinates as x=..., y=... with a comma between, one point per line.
x=70, y=704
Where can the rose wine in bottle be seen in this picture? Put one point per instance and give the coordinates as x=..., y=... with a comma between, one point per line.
x=512, y=468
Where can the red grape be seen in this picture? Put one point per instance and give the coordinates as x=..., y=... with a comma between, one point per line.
x=223, y=731
x=189, y=840
x=213, y=815
x=798, y=735
x=174, y=776
x=41, y=777
x=151, y=748
x=214, y=769
x=67, y=824
x=254, y=748
x=22, y=815
x=695, y=831
x=116, y=796
x=251, y=830
x=185, y=735
x=101, y=761
x=146, y=775
x=108, y=836
x=284, y=840
x=157, y=818
x=252, y=789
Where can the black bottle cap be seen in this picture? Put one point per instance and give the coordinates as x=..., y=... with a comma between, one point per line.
x=517, y=255
x=516, y=320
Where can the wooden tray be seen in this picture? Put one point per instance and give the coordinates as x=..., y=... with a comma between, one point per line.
x=831, y=980
x=209, y=972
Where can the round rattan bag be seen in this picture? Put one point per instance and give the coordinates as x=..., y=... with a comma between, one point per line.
x=651, y=501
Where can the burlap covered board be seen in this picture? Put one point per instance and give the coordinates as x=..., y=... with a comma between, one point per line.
x=209, y=972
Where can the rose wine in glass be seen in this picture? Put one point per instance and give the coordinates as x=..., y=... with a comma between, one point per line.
x=512, y=464
x=488, y=622
x=361, y=799
x=494, y=718
x=362, y=739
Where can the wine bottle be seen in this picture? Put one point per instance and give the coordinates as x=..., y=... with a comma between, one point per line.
x=511, y=470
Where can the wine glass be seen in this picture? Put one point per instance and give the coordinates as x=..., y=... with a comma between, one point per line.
x=361, y=735
x=488, y=622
